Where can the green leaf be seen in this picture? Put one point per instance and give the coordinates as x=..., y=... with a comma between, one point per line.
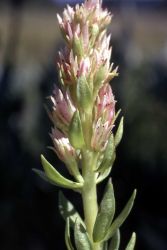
x=121, y=217
x=75, y=132
x=119, y=133
x=84, y=96
x=99, y=77
x=43, y=175
x=67, y=236
x=132, y=242
x=78, y=47
x=103, y=175
x=105, y=245
x=109, y=155
x=105, y=214
x=56, y=178
x=67, y=210
x=81, y=237
x=115, y=241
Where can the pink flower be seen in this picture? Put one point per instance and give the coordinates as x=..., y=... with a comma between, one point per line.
x=71, y=68
x=84, y=67
x=104, y=113
x=62, y=147
x=62, y=110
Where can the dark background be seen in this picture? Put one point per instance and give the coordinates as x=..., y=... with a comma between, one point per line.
x=29, y=42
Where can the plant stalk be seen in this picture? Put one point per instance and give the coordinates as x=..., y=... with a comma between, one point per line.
x=89, y=195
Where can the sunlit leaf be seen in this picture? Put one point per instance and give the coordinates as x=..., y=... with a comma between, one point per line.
x=119, y=133
x=105, y=214
x=56, y=178
x=121, y=217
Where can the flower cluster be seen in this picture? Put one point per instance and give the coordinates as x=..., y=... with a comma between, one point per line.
x=85, y=72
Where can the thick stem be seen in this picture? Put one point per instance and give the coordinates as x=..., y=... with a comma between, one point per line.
x=89, y=195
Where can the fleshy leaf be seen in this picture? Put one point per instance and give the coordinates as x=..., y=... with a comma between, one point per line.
x=55, y=177
x=67, y=210
x=109, y=155
x=67, y=236
x=99, y=79
x=81, y=237
x=78, y=46
x=75, y=132
x=119, y=133
x=43, y=175
x=105, y=245
x=103, y=175
x=121, y=217
x=105, y=214
x=115, y=241
x=132, y=242
x=83, y=93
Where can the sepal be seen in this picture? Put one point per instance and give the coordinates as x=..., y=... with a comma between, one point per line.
x=121, y=217
x=105, y=214
x=132, y=242
x=75, y=132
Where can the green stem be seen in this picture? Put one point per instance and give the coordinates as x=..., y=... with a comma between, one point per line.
x=89, y=194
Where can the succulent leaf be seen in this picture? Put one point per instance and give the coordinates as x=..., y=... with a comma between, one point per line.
x=84, y=96
x=109, y=155
x=67, y=210
x=119, y=133
x=81, y=237
x=121, y=217
x=67, y=236
x=55, y=177
x=132, y=242
x=75, y=132
x=115, y=241
x=105, y=214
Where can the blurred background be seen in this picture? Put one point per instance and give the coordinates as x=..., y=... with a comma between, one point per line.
x=29, y=42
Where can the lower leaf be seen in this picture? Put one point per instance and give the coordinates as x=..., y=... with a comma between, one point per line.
x=67, y=236
x=81, y=237
x=121, y=217
x=67, y=210
x=115, y=241
x=132, y=242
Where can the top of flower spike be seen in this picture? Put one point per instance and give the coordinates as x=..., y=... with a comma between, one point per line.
x=76, y=20
x=92, y=3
